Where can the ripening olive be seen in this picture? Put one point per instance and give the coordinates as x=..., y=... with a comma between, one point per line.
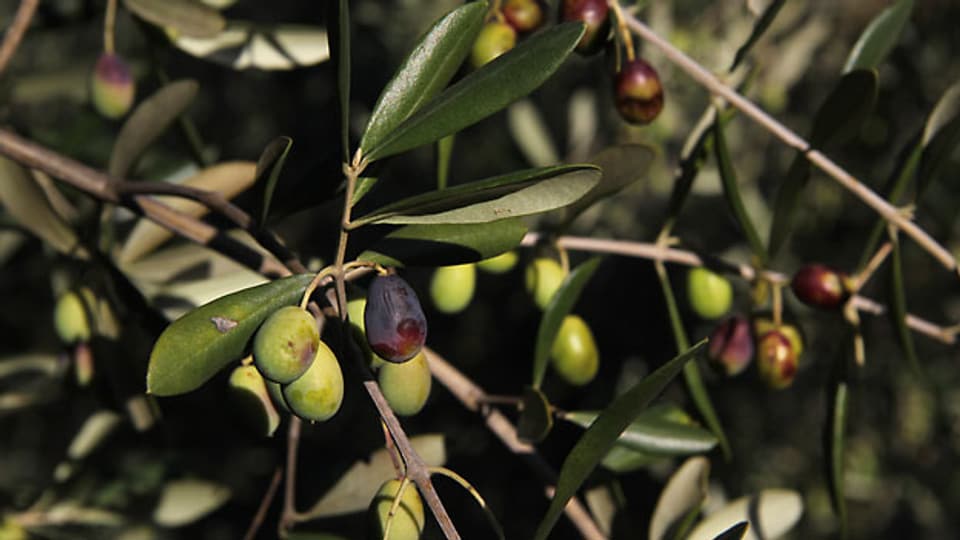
x=394, y=321
x=524, y=15
x=710, y=295
x=71, y=318
x=494, y=39
x=776, y=359
x=638, y=92
x=408, y=520
x=543, y=277
x=763, y=325
x=285, y=344
x=112, y=87
x=499, y=264
x=406, y=386
x=731, y=345
x=574, y=352
x=452, y=287
x=318, y=393
x=821, y=286
x=252, y=400
x=594, y=14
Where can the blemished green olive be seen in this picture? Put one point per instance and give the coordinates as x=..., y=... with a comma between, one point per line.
x=252, y=400
x=710, y=294
x=71, y=319
x=499, y=264
x=406, y=386
x=543, y=277
x=408, y=520
x=776, y=359
x=112, y=87
x=318, y=393
x=495, y=38
x=574, y=352
x=452, y=287
x=285, y=344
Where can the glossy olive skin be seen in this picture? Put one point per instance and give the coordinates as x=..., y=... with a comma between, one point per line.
x=595, y=15
x=543, y=277
x=71, y=319
x=318, y=393
x=820, y=286
x=252, y=400
x=495, y=38
x=776, y=359
x=393, y=319
x=406, y=386
x=574, y=352
x=710, y=294
x=499, y=264
x=452, y=287
x=524, y=15
x=637, y=92
x=112, y=87
x=409, y=519
x=285, y=344
x=731, y=349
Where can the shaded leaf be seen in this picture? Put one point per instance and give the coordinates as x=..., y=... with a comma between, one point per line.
x=559, y=307
x=96, y=428
x=536, y=418
x=192, y=349
x=444, y=153
x=603, y=433
x=621, y=165
x=270, y=165
x=511, y=195
x=148, y=121
x=735, y=532
x=685, y=492
x=772, y=511
x=759, y=27
x=941, y=135
x=621, y=459
x=186, y=17
x=731, y=191
x=483, y=92
x=425, y=72
x=339, y=43
x=364, y=185
x=836, y=442
x=184, y=501
x=880, y=36
x=245, y=45
x=898, y=306
x=444, y=245
x=654, y=432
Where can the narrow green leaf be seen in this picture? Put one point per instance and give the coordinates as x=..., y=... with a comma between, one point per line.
x=511, y=195
x=364, y=185
x=941, y=136
x=339, y=42
x=444, y=152
x=187, y=17
x=836, y=441
x=622, y=164
x=685, y=492
x=653, y=434
x=603, y=433
x=772, y=511
x=736, y=532
x=761, y=26
x=483, y=92
x=559, y=307
x=692, y=157
x=186, y=500
x=425, y=72
x=444, y=245
x=270, y=165
x=269, y=47
x=731, y=190
x=880, y=36
x=147, y=122
x=205, y=340
x=621, y=459
x=898, y=306
x=536, y=418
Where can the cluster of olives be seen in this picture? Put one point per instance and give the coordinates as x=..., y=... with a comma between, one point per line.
x=499, y=35
x=452, y=287
x=112, y=87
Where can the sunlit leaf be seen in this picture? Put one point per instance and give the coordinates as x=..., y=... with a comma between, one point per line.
x=603, y=433
x=183, y=502
x=685, y=492
x=653, y=432
x=186, y=17
x=536, y=418
x=269, y=167
x=202, y=342
x=245, y=45
x=759, y=27
x=444, y=245
x=731, y=191
x=880, y=36
x=483, y=92
x=773, y=511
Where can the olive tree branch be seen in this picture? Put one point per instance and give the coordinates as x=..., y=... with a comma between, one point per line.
x=14, y=33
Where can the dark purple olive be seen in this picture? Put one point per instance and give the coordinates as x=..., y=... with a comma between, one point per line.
x=594, y=14
x=395, y=324
x=638, y=92
x=731, y=345
x=820, y=286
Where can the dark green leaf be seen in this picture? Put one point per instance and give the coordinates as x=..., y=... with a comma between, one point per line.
x=443, y=245
x=339, y=42
x=187, y=17
x=444, y=152
x=511, y=195
x=836, y=437
x=202, y=342
x=621, y=459
x=880, y=36
x=845, y=109
x=787, y=204
x=536, y=418
x=731, y=190
x=483, y=92
x=758, y=29
x=692, y=158
x=147, y=122
x=425, y=72
x=364, y=185
x=735, y=532
x=940, y=138
x=622, y=165
x=653, y=434
x=898, y=306
x=603, y=434
x=559, y=307
x=270, y=165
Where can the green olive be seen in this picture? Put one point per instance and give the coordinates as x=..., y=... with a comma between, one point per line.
x=494, y=39
x=452, y=287
x=574, y=353
x=285, y=344
x=408, y=520
x=543, y=277
x=70, y=318
x=318, y=393
x=276, y=394
x=406, y=386
x=710, y=294
x=252, y=400
x=499, y=264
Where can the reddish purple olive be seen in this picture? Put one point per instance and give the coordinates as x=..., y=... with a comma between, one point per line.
x=595, y=15
x=638, y=92
x=524, y=15
x=112, y=87
x=394, y=321
x=776, y=359
x=820, y=286
x=731, y=345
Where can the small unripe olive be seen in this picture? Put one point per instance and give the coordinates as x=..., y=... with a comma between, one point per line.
x=710, y=295
x=494, y=39
x=574, y=352
x=731, y=345
x=112, y=87
x=318, y=393
x=408, y=520
x=452, y=287
x=406, y=386
x=524, y=15
x=285, y=344
x=71, y=318
x=776, y=359
x=499, y=264
x=821, y=286
x=638, y=92
x=595, y=15
x=543, y=277
x=393, y=319
x=252, y=400
x=11, y=530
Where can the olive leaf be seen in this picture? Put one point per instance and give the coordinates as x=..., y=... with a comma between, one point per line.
x=761, y=26
x=685, y=492
x=270, y=165
x=731, y=191
x=773, y=511
x=443, y=245
x=187, y=17
x=880, y=36
x=653, y=432
x=536, y=417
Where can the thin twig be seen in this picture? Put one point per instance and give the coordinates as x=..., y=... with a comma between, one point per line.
x=14, y=33
x=289, y=516
x=264, y=505
x=109, y=23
